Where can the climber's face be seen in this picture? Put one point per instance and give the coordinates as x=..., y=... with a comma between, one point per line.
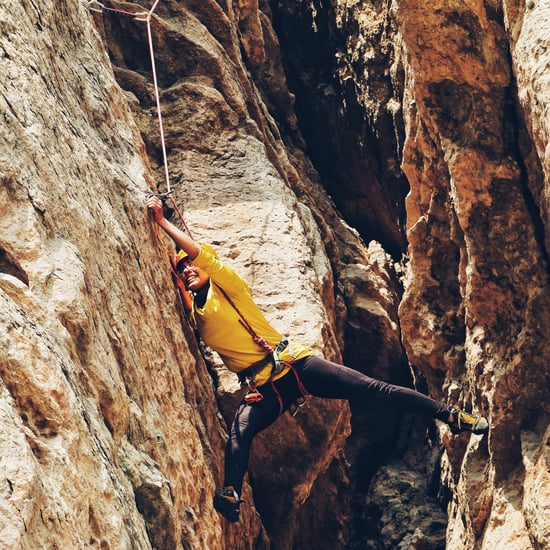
x=193, y=277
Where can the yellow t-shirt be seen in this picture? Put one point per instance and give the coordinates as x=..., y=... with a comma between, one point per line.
x=219, y=324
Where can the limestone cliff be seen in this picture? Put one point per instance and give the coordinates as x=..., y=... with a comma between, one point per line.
x=378, y=172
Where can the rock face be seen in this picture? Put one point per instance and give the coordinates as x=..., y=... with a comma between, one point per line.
x=476, y=307
x=428, y=263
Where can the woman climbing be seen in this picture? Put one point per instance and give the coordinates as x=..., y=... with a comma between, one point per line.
x=277, y=372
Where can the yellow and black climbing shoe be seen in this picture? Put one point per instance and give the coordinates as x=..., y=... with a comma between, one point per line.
x=226, y=502
x=460, y=421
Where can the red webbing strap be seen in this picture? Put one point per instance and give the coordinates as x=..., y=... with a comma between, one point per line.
x=277, y=395
x=301, y=387
x=260, y=340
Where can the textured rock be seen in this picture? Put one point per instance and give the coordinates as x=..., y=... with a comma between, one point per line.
x=95, y=367
x=122, y=380
x=475, y=311
x=112, y=425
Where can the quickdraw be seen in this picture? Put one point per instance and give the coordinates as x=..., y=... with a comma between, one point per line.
x=278, y=364
x=161, y=196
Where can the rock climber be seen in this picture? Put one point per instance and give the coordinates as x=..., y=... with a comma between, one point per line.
x=277, y=372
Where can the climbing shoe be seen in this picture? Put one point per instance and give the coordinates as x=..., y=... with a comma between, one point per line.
x=466, y=422
x=226, y=502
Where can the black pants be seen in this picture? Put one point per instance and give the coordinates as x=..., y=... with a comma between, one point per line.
x=320, y=378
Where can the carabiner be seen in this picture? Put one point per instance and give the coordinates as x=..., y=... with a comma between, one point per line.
x=161, y=196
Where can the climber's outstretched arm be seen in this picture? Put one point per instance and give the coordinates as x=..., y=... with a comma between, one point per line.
x=181, y=239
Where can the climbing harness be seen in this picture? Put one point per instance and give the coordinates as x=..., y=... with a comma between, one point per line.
x=248, y=375
x=146, y=16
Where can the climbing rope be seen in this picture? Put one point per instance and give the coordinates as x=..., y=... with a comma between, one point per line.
x=95, y=5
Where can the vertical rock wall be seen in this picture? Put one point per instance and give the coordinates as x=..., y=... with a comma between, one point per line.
x=112, y=425
x=475, y=312
x=467, y=80
x=100, y=390
x=112, y=431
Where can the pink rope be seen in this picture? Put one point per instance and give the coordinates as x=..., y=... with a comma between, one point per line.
x=157, y=95
x=159, y=114
x=98, y=6
x=95, y=5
